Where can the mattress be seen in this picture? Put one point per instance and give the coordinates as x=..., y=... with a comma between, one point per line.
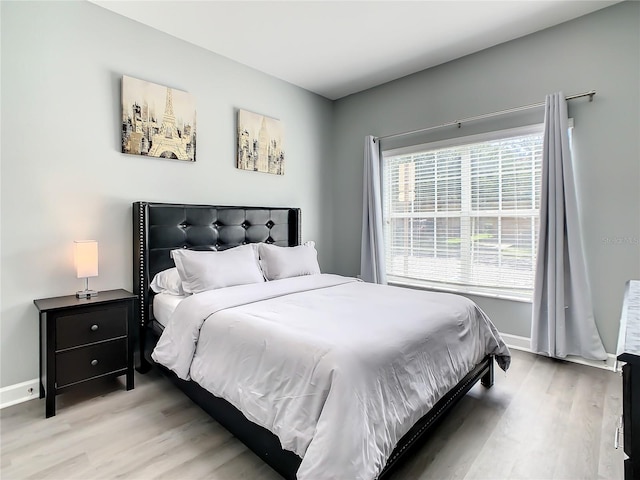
x=164, y=305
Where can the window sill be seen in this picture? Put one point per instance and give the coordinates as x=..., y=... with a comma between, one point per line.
x=457, y=289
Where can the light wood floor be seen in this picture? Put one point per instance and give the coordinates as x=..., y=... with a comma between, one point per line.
x=544, y=419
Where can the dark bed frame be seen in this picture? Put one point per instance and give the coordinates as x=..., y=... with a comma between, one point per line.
x=159, y=228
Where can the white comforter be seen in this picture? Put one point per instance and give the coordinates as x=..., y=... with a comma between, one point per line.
x=338, y=369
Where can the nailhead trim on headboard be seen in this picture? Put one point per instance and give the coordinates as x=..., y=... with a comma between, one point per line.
x=142, y=286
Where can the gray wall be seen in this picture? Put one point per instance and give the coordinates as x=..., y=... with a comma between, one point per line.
x=600, y=51
x=64, y=178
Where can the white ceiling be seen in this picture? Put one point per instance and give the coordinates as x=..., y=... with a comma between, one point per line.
x=336, y=48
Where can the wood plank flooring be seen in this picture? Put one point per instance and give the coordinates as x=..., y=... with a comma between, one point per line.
x=543, y=420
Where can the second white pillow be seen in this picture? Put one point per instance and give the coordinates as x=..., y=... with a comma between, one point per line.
x=284, y=262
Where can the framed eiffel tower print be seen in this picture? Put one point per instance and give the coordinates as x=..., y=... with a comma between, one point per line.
x=157, y=121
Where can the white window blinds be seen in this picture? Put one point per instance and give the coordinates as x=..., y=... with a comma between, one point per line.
x=463, y=215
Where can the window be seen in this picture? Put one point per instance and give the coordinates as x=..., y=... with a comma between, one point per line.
x=463, y=214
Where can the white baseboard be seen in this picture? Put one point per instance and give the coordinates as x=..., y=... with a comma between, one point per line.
x=516, y=342
x=18, y=393
x=524, y=343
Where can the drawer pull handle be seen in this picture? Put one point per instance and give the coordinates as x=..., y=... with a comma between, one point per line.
x=94, y=328
x=94, y=362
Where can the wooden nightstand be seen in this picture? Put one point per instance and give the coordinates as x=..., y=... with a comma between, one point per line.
x=84, y=339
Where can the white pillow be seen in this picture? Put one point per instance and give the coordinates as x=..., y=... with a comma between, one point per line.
x=204, y=270
x=167, y=281
x=284, y=262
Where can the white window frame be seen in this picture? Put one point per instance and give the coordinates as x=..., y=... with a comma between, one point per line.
x=465, y=211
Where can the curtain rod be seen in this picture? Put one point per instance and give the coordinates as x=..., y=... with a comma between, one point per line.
x=589, y=94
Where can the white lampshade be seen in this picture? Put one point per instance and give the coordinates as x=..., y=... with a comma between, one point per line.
x=86, y=258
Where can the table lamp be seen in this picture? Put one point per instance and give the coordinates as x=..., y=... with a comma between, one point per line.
x=86, y=261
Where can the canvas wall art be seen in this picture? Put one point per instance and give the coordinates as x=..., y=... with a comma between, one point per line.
x=260, y=143
x=157, y=121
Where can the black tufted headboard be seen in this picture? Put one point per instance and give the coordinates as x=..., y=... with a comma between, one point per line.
x=159, y=228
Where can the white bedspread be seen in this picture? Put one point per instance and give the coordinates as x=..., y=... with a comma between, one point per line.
x=338, y=369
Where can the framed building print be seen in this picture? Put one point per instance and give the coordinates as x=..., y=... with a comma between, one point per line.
x=260, y=143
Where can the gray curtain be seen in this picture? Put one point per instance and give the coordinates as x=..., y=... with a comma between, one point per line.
x=563, y=322
x=372, y=267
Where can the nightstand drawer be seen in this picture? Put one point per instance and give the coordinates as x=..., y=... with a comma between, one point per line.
x=84, y=363
x=91, y=326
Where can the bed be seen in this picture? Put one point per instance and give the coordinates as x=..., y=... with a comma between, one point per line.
x=284, y=386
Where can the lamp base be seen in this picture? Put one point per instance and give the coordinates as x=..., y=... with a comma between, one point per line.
x=86, y=293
